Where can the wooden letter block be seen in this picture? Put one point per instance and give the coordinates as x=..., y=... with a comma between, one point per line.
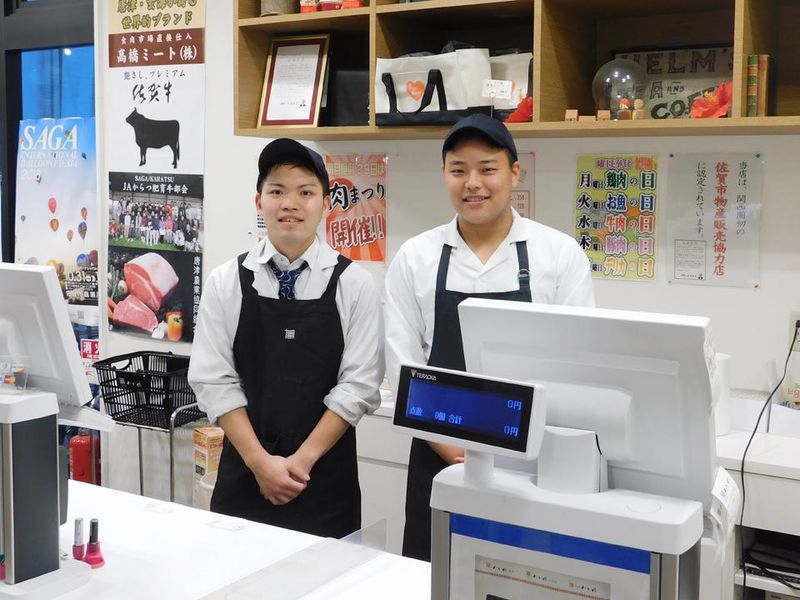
x=571, y=114
x=586, y=118
x=603, y=115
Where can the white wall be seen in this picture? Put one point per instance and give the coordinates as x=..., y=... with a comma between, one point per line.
x=750, y=324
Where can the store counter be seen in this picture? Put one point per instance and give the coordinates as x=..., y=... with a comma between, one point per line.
x=156, y=549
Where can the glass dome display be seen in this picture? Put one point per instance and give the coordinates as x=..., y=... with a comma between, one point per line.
x=617, y=80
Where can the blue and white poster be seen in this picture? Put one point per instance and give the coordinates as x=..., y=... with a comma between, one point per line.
x=57, y=219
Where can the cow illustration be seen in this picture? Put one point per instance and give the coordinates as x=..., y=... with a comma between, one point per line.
x=155, y=134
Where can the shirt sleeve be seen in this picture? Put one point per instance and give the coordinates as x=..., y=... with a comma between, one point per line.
x=212, y=374
x=405, y=323
x=575, y=285
x=362, y=367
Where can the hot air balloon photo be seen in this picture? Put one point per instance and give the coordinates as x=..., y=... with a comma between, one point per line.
x=82, y=230
x=84, y=213
x=54, y=224
x=52, y=205
x=70, y=233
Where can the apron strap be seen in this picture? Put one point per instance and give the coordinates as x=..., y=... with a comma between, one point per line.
x=341, y=264
x=246, y=276
x=524, y=275
x=444, y=265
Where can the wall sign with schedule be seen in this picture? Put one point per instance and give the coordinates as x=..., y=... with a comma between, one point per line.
x=615, y=214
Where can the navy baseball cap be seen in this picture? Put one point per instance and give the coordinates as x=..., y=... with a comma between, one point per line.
x=283, y=150
x=485, y=126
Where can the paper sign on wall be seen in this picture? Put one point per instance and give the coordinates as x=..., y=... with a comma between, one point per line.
x=714, y=218
x=615, y=212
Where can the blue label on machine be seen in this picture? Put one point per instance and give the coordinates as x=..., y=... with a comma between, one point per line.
x=600, y=553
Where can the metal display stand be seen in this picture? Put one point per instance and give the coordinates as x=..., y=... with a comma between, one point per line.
x=149, y=390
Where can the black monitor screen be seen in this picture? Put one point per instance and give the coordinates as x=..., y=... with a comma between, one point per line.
x=465, y=407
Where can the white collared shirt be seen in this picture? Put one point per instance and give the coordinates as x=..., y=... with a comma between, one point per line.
x=559, y=270
x=212, y=371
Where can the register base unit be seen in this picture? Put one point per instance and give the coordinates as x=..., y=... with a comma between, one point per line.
x=511, y=540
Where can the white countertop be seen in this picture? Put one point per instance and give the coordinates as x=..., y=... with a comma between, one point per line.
x=769, y=454
x=156, y=549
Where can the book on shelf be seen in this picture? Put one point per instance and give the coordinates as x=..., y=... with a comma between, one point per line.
x=752, y=85
x=763, y=85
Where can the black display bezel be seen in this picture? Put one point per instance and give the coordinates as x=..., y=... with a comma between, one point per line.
x=474, y=383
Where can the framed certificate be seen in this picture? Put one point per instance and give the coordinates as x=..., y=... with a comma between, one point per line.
x=293, y=80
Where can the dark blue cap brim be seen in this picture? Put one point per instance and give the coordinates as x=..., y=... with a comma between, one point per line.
x=485, y=126
x=283, y=149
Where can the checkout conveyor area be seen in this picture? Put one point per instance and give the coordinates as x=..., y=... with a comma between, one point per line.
x=585, y=476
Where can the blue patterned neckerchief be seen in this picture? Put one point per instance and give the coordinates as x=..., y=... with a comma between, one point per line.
x=286, y=279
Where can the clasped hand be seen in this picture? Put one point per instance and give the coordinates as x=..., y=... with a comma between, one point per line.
x=281, y=479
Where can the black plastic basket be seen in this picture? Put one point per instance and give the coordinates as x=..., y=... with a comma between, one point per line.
x=144, y=388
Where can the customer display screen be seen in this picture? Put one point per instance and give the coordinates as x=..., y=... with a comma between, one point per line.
x=464, y=406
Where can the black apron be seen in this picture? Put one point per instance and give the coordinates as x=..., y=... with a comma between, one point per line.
x=447, y=352
x=288, y=353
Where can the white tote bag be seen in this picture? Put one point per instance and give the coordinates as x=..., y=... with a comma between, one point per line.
x=517, y=68
x=437, y=89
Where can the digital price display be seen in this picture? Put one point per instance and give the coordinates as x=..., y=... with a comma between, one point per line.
x=466, y=407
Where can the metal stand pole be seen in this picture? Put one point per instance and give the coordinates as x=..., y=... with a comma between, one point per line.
x=141, y=463
x=172, y=448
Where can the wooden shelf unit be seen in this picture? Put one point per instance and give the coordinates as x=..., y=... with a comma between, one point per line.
x=570, y=40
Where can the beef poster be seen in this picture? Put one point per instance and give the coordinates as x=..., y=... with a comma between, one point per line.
x=155, y=136
x=155, y=239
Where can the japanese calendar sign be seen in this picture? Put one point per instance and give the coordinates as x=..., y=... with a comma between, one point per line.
x=714, y=218
x=57, y=219
x=615, y=213
x=356, y=225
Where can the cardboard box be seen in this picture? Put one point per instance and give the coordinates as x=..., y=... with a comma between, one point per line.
x=207, y=450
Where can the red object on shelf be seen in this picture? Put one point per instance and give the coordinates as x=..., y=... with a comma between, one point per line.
x=352, y=4
x=80, y=457
x=308, y=8
x=330, y=4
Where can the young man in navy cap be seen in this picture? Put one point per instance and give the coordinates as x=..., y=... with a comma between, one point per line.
x=486, y=251
x=287, y=357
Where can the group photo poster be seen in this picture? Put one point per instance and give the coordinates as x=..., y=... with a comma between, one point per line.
x=714, y=218
x=155, y=130
x=356, y=224
x=57, y=220
x=155, y=239
x=615, y=214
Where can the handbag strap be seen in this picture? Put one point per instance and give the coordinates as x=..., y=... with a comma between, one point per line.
x=530, y=78
x=435, y=82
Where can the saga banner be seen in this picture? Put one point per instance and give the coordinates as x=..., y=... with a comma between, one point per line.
x=57, y=218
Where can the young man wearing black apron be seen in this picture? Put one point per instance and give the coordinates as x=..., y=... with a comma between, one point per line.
x=486, y=251
x=287, y=357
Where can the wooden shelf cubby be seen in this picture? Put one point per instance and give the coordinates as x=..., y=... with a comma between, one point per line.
x=570, y=39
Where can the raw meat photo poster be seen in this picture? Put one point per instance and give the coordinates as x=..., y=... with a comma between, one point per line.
x=155, y=244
